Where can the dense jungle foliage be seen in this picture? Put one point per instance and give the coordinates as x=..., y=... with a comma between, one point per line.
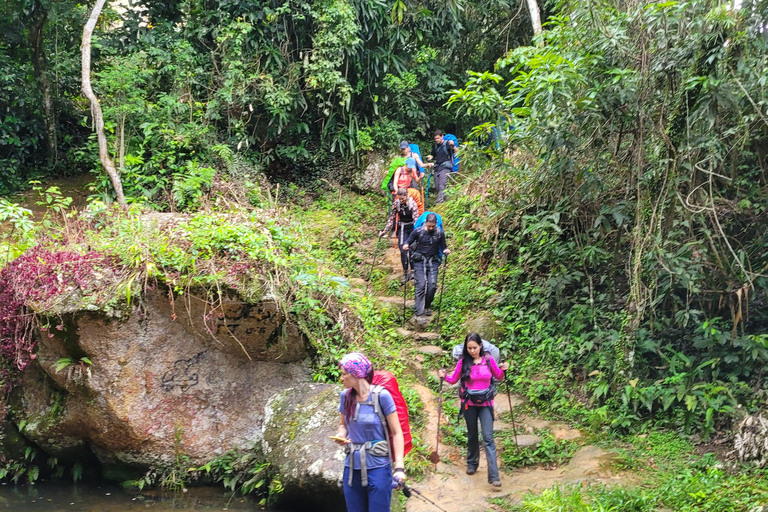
x=291, y=85
x=616, y=229
x=629, y=208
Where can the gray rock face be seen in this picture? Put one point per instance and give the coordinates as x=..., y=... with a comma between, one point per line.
x=173, y=377
x=368, y=177
x=486, y=326
x=297, y=426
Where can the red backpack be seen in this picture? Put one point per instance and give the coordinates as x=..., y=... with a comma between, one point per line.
x=383, y=379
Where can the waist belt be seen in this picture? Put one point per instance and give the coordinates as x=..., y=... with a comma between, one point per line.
x=378, y=448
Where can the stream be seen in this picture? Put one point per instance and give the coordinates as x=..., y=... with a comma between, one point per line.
x=104, y=497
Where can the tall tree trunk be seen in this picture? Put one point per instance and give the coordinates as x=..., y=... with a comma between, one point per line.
x=533, y=8
x=98, y=116
x=38, y=16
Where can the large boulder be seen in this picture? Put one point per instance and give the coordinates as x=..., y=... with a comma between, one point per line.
x=297, y=426
x=484, y=324
x=184, y=376
x=368, y=176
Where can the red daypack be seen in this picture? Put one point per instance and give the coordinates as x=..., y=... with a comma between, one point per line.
x=388, y=381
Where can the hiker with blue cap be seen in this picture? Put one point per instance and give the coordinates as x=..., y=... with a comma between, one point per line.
x=412, y=151
x=407, y=175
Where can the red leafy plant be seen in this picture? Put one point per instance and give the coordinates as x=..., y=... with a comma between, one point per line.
x=32, y=283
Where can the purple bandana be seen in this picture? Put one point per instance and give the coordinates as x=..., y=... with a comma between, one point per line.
x=356, y=364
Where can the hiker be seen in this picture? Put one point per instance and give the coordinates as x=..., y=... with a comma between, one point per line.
x=425, y=261
x=442, y=151
x=475, y=370
x=368, y=475
x=408, y=152
x=403, y=214
x=406, y=176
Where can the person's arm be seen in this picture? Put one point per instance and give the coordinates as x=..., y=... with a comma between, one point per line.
x=411, y=239
x=398, y=445
x=396, y=178
x=453, y=379
x=416, y=176
x=414, y=209
x=420, y=163
x=391, y=219
x=443, y=245
x=495, y=370
x=342, y=432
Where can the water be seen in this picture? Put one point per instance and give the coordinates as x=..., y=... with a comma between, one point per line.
x=61, y=497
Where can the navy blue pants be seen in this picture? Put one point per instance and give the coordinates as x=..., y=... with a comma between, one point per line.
x=377, y=497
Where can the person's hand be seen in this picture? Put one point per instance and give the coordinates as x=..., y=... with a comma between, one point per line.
x=382, y=233
x=447, y=252
x=399, y=477
x=341, y=438
x=429, y=157
x=405, y=247
x=441, y=373
x=504, y=366
x=429, y=165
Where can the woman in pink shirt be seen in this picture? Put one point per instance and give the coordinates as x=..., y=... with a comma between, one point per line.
x=475, y=370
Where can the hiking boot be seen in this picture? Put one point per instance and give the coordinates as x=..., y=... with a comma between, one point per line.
x=404, y=279
x=428, y=312
x=472, y=471
x=496, y=483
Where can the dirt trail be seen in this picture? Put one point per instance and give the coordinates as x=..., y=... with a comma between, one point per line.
x=452, y=489
x=447, y=484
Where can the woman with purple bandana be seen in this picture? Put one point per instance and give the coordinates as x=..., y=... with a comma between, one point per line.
x=368, y=474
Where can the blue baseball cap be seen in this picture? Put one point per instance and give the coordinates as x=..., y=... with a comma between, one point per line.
x=404, y=145
x=410, y=163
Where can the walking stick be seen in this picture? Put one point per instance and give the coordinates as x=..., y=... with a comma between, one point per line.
x=434, y=457
x=442, y=285
x=511, y=414
x=373, y=261
x=407, y=491
x=405, y=284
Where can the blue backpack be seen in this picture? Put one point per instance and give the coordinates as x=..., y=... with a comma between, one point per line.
x=450, y=136
x=415, y=149
x=422, y=219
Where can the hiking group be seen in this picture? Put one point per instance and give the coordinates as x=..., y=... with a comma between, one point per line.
x=411, y=223
x=374, y=429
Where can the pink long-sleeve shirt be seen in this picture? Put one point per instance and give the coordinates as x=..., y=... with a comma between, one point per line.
x=479, y=376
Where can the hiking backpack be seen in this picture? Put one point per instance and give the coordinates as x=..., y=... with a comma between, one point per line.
x=383, y=379
x=423, y=218
x=454, y=158
x=415, y=149
x=416, y=195
x=390, y=175
x=420, y=222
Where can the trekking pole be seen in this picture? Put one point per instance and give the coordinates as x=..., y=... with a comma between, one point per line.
x=373, y=261
x=511, y=414
x=442, y=285
x=434, y=457
x=405, y=285
x=407, y=490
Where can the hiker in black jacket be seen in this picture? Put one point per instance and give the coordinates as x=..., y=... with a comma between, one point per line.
x=426, y=260
x=403, y=214
x=442, y=151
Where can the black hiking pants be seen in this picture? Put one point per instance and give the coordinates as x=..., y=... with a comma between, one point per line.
x=403, y=231
x=426, y=283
